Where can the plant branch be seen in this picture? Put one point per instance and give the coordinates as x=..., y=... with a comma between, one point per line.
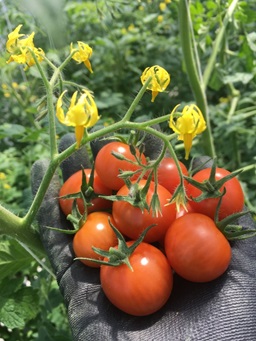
x=16, y=228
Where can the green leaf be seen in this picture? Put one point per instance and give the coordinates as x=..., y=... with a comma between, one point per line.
x=251, y=38
x=10, y=130
x=20, y=307
x=13, y=258
x=243, y=77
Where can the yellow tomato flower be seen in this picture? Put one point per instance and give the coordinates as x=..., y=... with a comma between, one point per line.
x=83, y=54
x=160, y=79
x=187, y=125
x=2, y=176
x=20, y=49
x=160, y=18
x=82, y=113
x=131, y=27
x=6, y=186
x=162, y=6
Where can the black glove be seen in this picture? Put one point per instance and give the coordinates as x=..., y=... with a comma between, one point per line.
x=224, y=309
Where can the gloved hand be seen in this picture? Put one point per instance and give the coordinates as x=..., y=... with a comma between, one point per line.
x=223, y=309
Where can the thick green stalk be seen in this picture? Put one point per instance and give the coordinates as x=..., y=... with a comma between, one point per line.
x=193, y=73
x=36, y=203
x=16, y=228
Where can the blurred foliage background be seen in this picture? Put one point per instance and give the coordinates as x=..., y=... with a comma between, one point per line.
x=126, y=37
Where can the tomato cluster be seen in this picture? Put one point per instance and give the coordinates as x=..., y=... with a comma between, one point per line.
x=187, y=242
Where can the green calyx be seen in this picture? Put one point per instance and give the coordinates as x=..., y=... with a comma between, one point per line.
x=117, y=255
x=137, y=195
x=211, y=188
x=234, y=231
x=86, y=192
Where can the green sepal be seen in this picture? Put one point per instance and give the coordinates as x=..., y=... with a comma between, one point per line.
x=136, y=196
x=211, y=187
x=231, y=231
x=234, y=232
x=61, y=230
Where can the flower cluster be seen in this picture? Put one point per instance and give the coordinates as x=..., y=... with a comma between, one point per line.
x=22, y=48
x=82, y=112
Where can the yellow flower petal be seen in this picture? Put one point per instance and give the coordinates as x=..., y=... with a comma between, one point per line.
x=59, y=110
x=12, y=38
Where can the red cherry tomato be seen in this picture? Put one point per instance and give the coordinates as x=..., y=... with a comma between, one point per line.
x=96, y=232
x=168, y=175
x=73, y=185
x=196, y=249
x=132, y=221
x=144, y=290
x=108, y=166
x=232, y=200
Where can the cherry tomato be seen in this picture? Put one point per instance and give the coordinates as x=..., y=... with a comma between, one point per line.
x=232, y=200
x=96, y=232
x=144, y=290
x=132, y=221
x=168, y=175
x=73, y=185
x=196, y=249
x=108, y=166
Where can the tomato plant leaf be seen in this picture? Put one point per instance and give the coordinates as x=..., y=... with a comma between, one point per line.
x=13, y=258
x=20, y=307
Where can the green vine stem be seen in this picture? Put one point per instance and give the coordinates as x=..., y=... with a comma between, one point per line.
x=188, y=46
x=16, y=228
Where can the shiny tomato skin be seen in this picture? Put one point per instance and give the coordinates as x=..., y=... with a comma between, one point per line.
x=184, y=210
x=96, y=232
x=196, y=249
x=144, y=290
x=73, y=185
x=108, y=166
x=168, y=175
x=131, y=221
x=232, y=200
